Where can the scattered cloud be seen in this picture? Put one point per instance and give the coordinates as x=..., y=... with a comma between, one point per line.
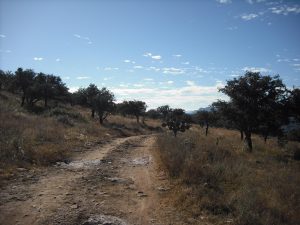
x=128, y=61
x=185, y=63
x=170, y=82
x=148, y=79
x=249, y=16
x=157, y=57
x=82, y=78
x=224, y=1
x=2, y=36
x=111, y=68
x=138, y=67
x=153, y=68
x=254, y=1
x=190, y=83
x=149, y=54
x=58, y=60
x=87, y=39
x=256, y=69
x=38, y=59
x=172, y=70
x=177, y=55
x=285, y=10
x=232, y=28
x=188, y=97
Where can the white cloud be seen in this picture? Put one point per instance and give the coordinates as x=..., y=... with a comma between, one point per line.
x=224, y=1
x=172, y=70
x=110, y=68
x=232, y=28
x=296, y=64
x=248, y=17
x=170, y=82
x=83, y=38
x=58, y=60
x=156, y=57
x=285, y=10
x=177, y=55
x=149, y=54
x=138, y=85
x=185, y=63
x=256, y=69
x=138, y=67
x=38, y=59
x=153, y=68
x=82, y=78
x=148, y=79
x=187, y=97
x=2, y=36
x=126, y=61
x=73, y=89
x=190, y=83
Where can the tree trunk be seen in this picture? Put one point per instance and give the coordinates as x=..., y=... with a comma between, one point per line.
x=265, y=138
x=242, y=134
x=175, y=132
x=46, y=101
x=101, y=120
x=206, y=129
x=248, y=140
x=138, y=119
x=93, y=113
x=23, y=100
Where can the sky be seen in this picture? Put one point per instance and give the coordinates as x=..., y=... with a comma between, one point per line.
x=175, y=52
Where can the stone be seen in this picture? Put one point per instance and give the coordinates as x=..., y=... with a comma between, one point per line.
x=104, y=220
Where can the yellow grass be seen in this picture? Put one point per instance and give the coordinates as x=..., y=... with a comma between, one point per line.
x=217, y=176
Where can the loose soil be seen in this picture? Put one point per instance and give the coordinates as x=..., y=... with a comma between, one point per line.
x=119, y=182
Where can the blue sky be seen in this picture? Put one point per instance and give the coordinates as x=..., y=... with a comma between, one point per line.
x=162, y=52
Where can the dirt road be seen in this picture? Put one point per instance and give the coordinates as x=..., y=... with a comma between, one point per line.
x=116, y=183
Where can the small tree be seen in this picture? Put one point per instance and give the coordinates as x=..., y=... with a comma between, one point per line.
x=104, y=104
x=24, y=80
x=207, y=118
x=176, y=121
x=251, y=94
x=164, y=111
x=135, y=108
x=153, y=114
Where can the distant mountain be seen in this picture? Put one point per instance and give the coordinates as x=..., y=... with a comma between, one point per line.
x=191, y=112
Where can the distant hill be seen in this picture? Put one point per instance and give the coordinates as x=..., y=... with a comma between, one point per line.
x=192, y=112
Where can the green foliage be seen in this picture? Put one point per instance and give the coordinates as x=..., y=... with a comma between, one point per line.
x=164, y=111
x=104, y=103
x=256, y=102
x=134, y=108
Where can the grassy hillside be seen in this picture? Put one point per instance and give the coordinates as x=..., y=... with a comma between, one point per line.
x=41, y=136
x=214, y=174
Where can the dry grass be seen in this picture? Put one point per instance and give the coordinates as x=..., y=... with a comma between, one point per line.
x=218, y=177
x=44, y=136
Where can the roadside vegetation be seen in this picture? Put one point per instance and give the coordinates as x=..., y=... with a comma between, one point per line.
x=246, y=173
x=215, y=177
x=42, y=123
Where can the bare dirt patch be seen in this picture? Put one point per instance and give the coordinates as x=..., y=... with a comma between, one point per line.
x=116, y=183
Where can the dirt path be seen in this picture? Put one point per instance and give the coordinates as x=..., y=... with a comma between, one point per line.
x=117, y=183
